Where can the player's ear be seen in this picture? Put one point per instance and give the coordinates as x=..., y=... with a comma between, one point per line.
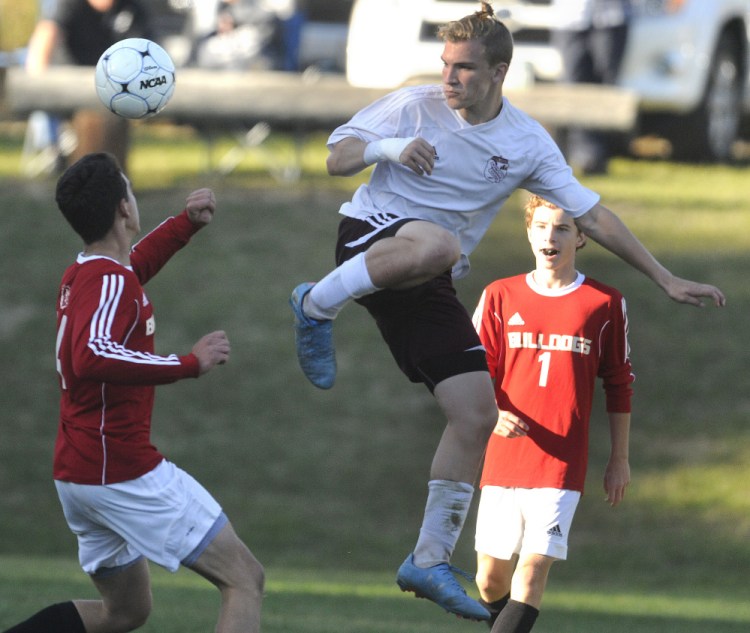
x=581, y=241
x=123, y=208
x=501, y=70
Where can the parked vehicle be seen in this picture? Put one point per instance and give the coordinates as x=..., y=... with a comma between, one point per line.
x=687, y=60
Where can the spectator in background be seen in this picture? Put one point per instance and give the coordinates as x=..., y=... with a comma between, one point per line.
x=591, y=37
x=246, y=35
x=77, y=32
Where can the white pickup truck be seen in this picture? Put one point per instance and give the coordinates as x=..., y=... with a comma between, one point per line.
x=688, y=61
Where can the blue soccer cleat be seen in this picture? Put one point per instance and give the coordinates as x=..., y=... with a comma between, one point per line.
x=438, y=584
x=314, y=341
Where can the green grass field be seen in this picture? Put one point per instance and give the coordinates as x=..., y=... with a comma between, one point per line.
x=327, y=488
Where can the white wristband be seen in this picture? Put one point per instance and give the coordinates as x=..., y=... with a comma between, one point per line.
x=386, y=149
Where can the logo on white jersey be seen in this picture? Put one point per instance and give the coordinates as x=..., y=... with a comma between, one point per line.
x=496, y=169
x=516, y=319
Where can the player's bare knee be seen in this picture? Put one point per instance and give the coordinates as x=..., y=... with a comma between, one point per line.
x=482, y=581
x=130, y=619
x=483, y=420
x=490, y=587
x=138, y=620
x=247, y=576
x=445, y=251
x=255, y=578
x=489, y=421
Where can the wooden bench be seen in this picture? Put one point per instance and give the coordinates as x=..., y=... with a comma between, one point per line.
x=214, y=101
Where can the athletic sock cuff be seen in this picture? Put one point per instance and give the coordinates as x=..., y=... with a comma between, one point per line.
x=62, y=617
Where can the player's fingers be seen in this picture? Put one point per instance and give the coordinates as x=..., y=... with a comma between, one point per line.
x=220, y=338
x=419, y=157
x=716, y=296
x=615, y=493
x=418, y=165
x=616, y=497
x=202, y=198
x=427, y=156
x=513, y=430
x=504, y=430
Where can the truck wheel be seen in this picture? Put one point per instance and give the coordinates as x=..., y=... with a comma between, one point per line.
x=709, y=132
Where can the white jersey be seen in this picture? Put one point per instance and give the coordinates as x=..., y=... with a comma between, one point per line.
x=477, y=167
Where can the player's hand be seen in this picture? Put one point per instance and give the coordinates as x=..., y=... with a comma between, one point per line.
x=419, y=156
x=212, y=350
x=510, y=425
x=616, y=479
x=693, y=293
x=201, y=206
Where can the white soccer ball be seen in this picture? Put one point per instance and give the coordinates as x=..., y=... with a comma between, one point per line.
x=135, y=78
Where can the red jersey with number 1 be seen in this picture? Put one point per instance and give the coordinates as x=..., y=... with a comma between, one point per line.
x=545, y=349
x=107, y=365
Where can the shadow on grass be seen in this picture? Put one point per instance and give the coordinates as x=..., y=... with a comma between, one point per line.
x=308, y=602
x=290, y=611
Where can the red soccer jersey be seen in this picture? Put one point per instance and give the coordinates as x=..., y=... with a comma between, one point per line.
x=545, y=349
x=106, y=362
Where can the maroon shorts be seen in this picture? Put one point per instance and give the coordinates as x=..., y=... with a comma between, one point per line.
x=427, y=329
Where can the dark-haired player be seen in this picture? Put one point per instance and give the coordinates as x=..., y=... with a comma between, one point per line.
x=123, y=500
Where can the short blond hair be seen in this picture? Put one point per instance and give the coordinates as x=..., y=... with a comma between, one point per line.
x=484, y=27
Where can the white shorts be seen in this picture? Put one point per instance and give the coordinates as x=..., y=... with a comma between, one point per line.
x=165, y=515
x=525, y=521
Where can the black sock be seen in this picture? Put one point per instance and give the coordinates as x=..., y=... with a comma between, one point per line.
x=58, y=618
x=516, y=617
x=494, y=607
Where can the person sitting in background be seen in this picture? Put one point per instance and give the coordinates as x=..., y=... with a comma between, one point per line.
x=591, y=36
x=248, y=35
x=77, y=32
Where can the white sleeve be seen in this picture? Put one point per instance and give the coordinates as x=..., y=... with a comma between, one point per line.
x=381, y=119
x=553, y=180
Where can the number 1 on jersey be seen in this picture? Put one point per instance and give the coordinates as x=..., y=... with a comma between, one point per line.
x=544, y=359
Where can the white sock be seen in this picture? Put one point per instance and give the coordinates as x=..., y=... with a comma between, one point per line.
x=349, y=281
x=447, y=506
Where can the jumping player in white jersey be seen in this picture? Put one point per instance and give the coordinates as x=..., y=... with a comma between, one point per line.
x=121, y=498
x=548, y=336
x=446, y=159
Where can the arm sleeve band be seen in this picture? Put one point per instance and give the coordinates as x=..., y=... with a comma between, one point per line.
x=386, y=149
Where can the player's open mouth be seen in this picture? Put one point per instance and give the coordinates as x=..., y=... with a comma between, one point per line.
x=549, y=252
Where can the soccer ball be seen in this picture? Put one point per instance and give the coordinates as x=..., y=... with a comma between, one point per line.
x=135, y=78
